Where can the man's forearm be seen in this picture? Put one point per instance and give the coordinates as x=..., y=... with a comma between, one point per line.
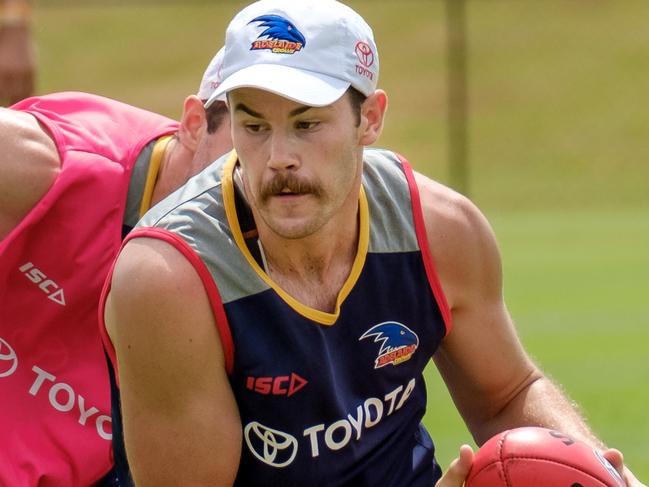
x=541, y=403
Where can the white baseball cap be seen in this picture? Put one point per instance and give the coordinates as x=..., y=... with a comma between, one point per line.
x=309, y=51
x=212, y=77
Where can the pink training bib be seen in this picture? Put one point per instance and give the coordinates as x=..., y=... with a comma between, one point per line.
x=55, y=420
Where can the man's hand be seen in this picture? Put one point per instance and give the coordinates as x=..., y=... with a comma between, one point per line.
x=458, y=469
x=616, y=459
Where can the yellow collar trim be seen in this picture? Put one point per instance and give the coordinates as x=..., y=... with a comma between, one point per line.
x=152, y=174
x=313, y=314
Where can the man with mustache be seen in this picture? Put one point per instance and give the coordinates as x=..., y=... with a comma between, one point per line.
x=76, y=172
x=270, y=322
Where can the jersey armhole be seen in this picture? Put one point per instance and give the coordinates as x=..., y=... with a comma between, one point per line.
x=214, y=297
x=51, y=129
x=422, y=239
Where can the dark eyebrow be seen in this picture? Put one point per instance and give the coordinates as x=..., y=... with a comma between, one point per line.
x=242, y=108
x=300, y=110
x=297, y=111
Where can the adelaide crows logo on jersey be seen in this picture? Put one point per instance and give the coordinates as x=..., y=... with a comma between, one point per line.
x=281, y=35
x=398, y=343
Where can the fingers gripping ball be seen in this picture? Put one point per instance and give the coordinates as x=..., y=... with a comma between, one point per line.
x=539, y=457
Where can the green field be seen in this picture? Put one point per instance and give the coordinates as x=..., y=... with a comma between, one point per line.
x=559, y=153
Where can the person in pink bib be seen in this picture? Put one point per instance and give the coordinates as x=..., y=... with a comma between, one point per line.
x=76, y=172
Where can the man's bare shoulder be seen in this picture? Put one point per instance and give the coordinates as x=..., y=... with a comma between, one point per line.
x=448, y=212
x=29, y=165
x=460, y=238
x=157, y=297
x=147, y=271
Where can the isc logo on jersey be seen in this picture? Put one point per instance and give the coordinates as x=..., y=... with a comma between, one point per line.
x=398, y=343
x=45, y=284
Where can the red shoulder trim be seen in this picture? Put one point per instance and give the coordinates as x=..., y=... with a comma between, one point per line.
x=105, y=339
x=212, y=291
x=422, y=239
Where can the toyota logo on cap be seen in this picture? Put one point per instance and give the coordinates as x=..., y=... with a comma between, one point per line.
x=8, y=359
x=364, y=54
x=272, y=447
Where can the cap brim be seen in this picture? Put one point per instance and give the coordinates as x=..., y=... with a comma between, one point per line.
x=305, y=87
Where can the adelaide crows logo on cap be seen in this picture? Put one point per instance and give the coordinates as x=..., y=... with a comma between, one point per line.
x=281, y=35
x=398, y=343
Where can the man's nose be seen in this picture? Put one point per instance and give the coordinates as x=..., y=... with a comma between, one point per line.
x=282, y=156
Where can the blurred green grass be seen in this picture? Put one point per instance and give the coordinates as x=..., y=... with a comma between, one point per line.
x=559, y=158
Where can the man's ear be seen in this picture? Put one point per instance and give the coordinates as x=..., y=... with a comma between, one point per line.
x=372, y=116
x=193, y=123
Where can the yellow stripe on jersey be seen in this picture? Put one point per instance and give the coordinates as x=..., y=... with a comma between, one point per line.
x=313, y=314
x=152, y=174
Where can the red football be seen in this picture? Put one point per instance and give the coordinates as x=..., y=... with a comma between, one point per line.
x=539, y=457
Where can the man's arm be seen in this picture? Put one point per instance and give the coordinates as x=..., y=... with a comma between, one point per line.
x=181, y=422
x=493, y=382
x=29, y=164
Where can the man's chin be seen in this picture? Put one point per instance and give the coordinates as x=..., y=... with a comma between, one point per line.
x=292, y=228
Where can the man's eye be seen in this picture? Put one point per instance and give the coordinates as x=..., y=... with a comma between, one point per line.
x=253, y=127
x=306, y=125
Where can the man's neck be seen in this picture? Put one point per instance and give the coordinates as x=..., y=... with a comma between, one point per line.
x=173, y=170
x=313, y=269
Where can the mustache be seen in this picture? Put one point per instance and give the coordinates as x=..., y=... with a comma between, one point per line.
x=290, y=182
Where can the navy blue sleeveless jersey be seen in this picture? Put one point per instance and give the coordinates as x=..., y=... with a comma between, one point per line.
x=331, y=399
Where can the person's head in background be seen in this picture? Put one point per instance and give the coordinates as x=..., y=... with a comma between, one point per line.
x=203, y=135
